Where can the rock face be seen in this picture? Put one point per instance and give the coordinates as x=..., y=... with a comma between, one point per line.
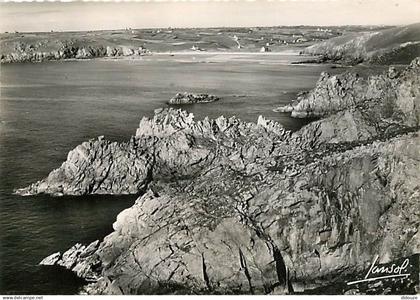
x=99, y=167
x=188, y=98
x=330, y=95
x=398, y=45
x=238, y=236
x=234, y=207
x=170, y=146
x=387, y=96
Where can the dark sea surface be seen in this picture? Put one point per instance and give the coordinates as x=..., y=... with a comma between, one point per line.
x=49, y=108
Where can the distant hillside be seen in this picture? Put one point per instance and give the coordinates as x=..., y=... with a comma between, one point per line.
x=41, y=46
x=398, y=45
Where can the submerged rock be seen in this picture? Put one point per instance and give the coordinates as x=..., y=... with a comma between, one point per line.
x=189, y=98
x=250, y=208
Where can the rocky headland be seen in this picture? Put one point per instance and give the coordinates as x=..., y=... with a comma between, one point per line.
x=233, y=207
x=333, y=94
x=190, y=98
x=397, y=45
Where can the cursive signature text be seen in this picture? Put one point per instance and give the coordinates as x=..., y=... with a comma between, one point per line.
x=384, y=272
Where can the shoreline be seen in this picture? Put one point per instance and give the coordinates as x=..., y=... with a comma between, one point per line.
x=217, y=203
x=306, y=59
x=281, y=177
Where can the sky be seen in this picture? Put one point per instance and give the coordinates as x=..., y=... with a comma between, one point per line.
x=78, y=15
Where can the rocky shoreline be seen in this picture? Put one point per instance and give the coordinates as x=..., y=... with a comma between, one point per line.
x=230, y=207
x=346, y=45
x=29, y=54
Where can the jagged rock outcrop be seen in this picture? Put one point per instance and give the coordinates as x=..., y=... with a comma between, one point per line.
x=99, y=167
x=236, y=207
x=392, y=96
x=331, y=94
x=170, y=146
x=237, y=235
x=189, y=98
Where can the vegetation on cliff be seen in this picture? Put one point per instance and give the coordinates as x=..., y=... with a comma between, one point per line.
x=398, y=45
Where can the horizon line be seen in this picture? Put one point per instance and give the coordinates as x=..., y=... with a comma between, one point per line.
x=215, y=27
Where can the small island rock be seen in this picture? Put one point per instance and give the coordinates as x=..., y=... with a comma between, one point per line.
x=189, y=98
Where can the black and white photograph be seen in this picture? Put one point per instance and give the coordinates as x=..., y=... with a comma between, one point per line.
x=203, y=147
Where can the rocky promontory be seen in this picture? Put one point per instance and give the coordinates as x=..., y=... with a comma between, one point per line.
x=397, y=45
x=190, y=98
x=233, y=207
x=388, y=91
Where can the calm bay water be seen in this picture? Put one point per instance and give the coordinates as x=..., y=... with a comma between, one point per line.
x=49, y=108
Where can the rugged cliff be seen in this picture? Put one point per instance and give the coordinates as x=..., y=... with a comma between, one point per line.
x=242, y=234
x=397, y=45
x=235, y=207
x=387, y=96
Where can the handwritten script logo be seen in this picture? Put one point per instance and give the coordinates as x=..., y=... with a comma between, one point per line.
x=392, y=271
